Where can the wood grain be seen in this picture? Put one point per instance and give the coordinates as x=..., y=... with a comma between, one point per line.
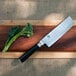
x=40, y=55
x=33, y=22
x=63, y=48
x=66, y=44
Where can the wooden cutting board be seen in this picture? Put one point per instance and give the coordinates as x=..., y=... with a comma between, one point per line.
x=61, y=49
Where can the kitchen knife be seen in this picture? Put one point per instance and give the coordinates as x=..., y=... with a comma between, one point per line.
x=50, y=38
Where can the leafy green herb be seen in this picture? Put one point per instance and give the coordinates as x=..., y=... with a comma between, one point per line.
x=15, y=33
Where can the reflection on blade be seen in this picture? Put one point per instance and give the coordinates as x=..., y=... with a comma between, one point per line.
x=58, y=32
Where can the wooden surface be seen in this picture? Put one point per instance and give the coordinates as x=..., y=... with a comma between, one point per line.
x=40, y=55
x=66, y=44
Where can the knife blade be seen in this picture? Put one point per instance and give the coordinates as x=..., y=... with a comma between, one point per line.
x=50, y=38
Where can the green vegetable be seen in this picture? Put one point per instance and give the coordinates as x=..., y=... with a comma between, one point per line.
x=17, y=32
x=13, y=32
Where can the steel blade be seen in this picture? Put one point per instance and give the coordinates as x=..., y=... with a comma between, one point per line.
x=58, y=32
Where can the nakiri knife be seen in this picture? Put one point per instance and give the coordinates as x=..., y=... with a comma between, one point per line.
x=50, y=38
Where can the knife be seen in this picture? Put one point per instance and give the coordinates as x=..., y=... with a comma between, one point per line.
x=50, y=38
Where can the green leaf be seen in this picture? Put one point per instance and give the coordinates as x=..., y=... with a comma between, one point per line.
x=15, y=33
x=29, y=27
x=28, y=30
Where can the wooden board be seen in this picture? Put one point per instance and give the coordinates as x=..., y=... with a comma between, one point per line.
x=66, y=44
x=65, y=47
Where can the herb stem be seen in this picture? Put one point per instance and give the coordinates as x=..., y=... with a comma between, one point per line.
x=15, y=33
x=11, y=41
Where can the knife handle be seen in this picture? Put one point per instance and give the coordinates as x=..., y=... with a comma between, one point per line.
x=27, y=54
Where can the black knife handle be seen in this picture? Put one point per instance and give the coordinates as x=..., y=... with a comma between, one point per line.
x=27, y=54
